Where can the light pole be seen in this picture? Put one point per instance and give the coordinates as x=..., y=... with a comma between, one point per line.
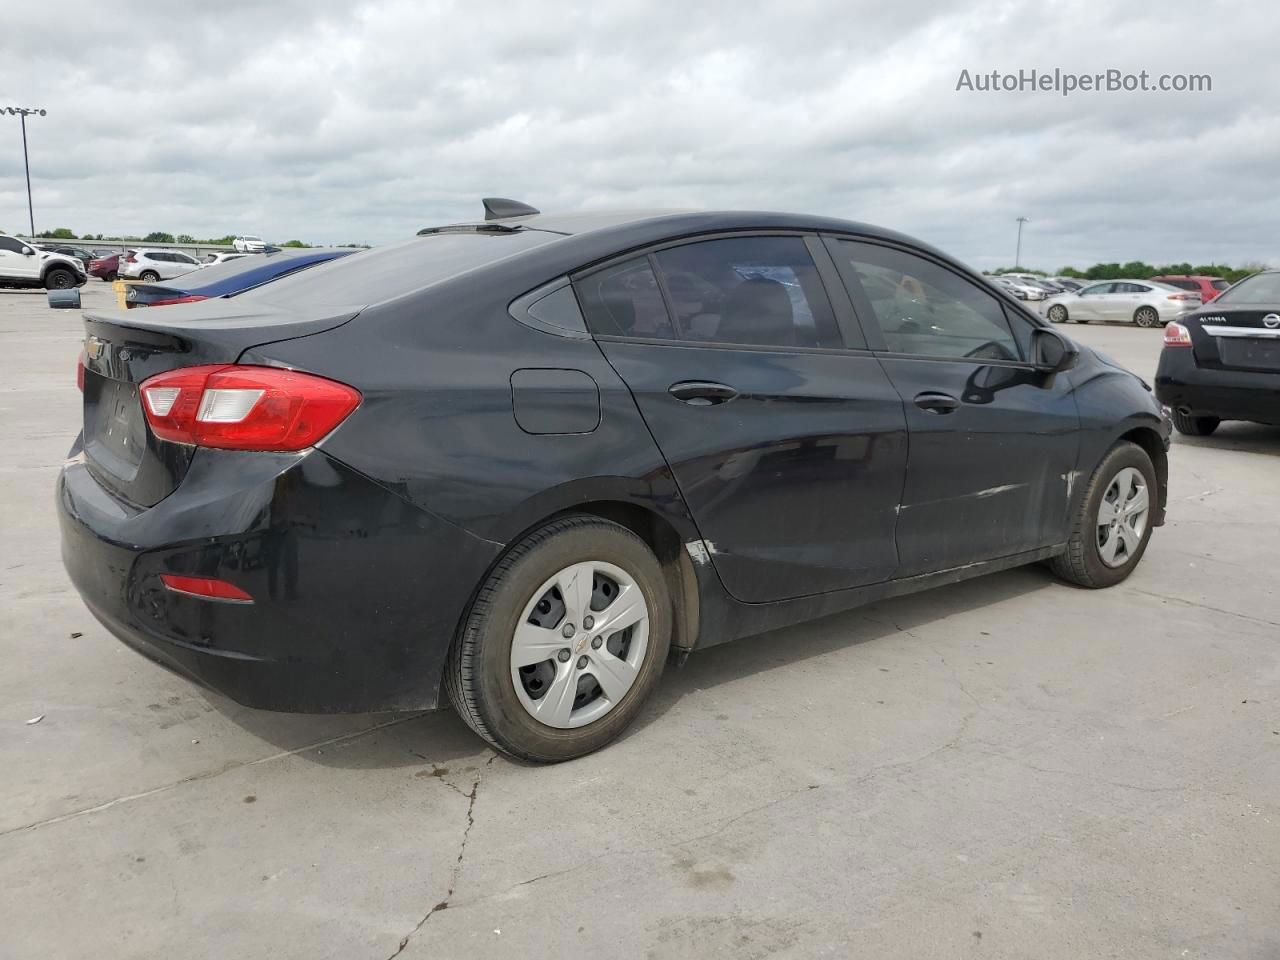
x=23, y=112
x=1017, y=257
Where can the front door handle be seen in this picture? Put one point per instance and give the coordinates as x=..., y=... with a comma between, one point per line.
x=937, y=403
x=701, y=393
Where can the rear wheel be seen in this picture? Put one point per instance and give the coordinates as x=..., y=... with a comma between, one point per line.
x=1146, y=317
x=1112, y=524
x=565, y=641
x=59, y=279
x=1185, y=423
x=149, y=275
x=1058, y=313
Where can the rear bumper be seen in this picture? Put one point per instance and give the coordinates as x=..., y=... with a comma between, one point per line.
x=356, y=592
x=1207, y=392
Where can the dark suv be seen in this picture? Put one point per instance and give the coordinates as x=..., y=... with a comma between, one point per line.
x=523, y=460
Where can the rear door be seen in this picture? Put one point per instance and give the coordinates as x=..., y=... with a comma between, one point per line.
x=993, y=443
x=788, y=447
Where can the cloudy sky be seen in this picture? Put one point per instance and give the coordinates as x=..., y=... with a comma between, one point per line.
x=338, y=122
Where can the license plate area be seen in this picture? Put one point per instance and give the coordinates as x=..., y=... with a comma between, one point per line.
x=1250, y=353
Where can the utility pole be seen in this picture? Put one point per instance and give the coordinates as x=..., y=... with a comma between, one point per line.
x=1017, y=257
x=23, y=113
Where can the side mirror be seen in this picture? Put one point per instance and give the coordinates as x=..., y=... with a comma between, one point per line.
x=1051, y=352
x=28, y=252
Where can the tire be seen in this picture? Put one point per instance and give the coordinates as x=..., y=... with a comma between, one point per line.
x=111, y=278
x=1083, y=563
x=1058, y=313
x=481, y=675
x=59, y=279
x=149, y=275
x=1194, y=426
x=1146, y=317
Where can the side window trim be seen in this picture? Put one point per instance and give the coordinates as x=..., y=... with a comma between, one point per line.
x=519, y=309
x=863, y=308
x=846, y=317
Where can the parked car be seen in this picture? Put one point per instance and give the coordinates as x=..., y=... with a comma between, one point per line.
x=1208, y=287
x=155, y=265
x=105, y=267
x=213, y=259
x=1069, y=284
x=1222, y=362
x=84, y=256
x=522, y=460
x=249, y=244
x=1020, y=288
x=23, y=265
x=1144, y=302
x=227, y=278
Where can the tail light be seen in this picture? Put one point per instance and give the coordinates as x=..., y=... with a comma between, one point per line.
x=1184, y=296
x=168, y=303
x=131, y=259
x=206, y=588
x=245, y=408
x=80, y=372
x=1176, y=335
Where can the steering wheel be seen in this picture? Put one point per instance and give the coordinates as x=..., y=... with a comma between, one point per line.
x=991, y=350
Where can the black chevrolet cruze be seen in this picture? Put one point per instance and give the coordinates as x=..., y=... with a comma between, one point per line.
x=526, y=460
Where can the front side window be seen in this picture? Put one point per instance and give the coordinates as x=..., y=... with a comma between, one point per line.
x=758, y=291
x=924, y=309
x=10, y=244
x=624, y=301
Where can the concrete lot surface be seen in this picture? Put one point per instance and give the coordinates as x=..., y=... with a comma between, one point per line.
x=1009, y=767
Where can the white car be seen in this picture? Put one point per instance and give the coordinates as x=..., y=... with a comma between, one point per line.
x=249, y=244
x=1148, y=303
x=213, y=259
x=1020, y=288
x=22, y=265
x=156, y=264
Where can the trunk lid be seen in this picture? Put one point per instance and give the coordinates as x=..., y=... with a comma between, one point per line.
x=124, y=349
x=1237, y=338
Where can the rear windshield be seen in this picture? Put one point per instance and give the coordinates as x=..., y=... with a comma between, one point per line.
x=229, y=268
x=384, y=273
x=1259, y=288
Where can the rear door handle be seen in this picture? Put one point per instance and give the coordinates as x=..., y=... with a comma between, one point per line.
x=701, y=393
x=938, y=403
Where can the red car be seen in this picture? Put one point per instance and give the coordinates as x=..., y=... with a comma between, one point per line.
x=105, y=268
x=1207, y=287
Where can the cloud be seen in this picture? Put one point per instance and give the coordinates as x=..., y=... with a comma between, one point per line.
x=341, y=122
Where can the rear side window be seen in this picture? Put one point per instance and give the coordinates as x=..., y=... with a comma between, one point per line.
x=1182, y=284
x=1130, y=288
x=761, y=291
x=923, y=309
x=624, y=301
x=1098, y=288
x=1219, y=284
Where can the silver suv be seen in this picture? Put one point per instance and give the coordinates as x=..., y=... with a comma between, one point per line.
x=157, y=264
x=23, y=265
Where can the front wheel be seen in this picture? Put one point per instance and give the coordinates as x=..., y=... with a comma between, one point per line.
x=149, y=275
x=59, y=279
x=1191, y=426
x=1112, y=525
x=1058, y=313
x=1146, y=317
x=564, y=642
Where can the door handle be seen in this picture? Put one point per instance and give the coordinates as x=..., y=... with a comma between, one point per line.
x=701, y=393
x=937, y=403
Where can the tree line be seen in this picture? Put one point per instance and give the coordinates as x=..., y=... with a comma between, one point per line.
x=156, y=236
x=1138, y=270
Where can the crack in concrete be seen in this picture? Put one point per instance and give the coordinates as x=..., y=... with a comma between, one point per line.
x=456, y=872
x=206, y=775
x=1205, y=606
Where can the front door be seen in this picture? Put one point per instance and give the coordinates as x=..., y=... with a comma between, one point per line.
x=992, y=441
x=788, y=448
x=14, y=263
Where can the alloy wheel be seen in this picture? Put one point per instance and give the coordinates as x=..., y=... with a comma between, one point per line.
x=579, y=644
x=1146, y=317
x=1122, y=517
x=1058, y=313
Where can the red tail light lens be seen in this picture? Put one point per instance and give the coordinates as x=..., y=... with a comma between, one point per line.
x=80, y=372
x=245, y=408
x=130, y=259
x=168, y=303
x=205, y=587
x=1176, y=335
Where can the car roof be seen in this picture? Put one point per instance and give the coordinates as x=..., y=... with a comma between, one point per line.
x=1186, y=276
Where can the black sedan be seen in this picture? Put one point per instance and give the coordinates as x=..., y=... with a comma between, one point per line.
x=1223, y=361
x=519, y=462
